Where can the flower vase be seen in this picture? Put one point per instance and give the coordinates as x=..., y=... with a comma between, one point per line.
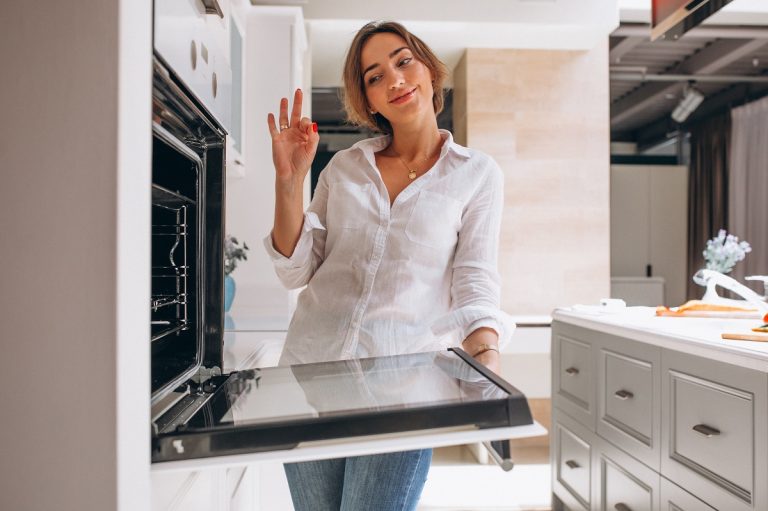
x=710, y=295
x=229, y=292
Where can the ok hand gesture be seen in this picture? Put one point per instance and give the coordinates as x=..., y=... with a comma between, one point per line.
x=294, y=143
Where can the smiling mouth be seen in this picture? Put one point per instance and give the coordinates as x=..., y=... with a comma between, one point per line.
x=404, y=97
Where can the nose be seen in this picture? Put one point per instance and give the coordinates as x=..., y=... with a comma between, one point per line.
x=397, y=80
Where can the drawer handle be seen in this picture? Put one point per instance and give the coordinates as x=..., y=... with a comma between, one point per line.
x=572, y=464
x=572, y=371
x=622, y=507
x=705, y=430
x=624, y=394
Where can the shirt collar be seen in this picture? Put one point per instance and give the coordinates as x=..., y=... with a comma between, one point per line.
x=370, y=146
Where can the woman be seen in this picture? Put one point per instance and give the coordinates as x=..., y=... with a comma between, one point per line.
x=397, y=249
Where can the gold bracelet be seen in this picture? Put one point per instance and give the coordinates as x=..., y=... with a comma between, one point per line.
x=486, y=347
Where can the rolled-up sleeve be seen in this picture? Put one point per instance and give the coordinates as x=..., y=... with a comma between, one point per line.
x=296, y=271
x=476, y=284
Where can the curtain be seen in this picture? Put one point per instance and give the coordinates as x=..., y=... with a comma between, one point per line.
x=707, y=190
x=748, y=187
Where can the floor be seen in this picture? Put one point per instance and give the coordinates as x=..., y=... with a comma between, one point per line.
x=457, y=482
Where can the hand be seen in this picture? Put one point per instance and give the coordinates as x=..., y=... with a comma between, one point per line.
x=294, y=144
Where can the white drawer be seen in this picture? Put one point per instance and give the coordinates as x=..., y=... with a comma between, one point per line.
x=625, y=484
x=674, y=498
x=572, y=462
x=629, y=395
x=714, y=429
x=573, y=378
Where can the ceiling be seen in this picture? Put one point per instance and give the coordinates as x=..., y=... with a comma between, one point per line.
x=451, y=26
x=715, y=57
x=727, y=64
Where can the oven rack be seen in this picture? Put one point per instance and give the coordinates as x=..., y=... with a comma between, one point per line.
x=166, y=198
x=170, y=271
x=170, y=277
x=160, y=301
x=169, y=230
x=162, y=329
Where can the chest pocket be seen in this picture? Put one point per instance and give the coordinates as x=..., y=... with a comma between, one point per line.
x=434, y=221
x=349, y=205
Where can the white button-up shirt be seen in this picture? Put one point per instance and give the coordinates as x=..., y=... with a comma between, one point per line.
x=420, y=275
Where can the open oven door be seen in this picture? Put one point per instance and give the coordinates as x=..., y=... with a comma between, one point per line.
x=339, y=408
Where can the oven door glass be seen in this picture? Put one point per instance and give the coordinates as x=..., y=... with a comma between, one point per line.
x=280, y=407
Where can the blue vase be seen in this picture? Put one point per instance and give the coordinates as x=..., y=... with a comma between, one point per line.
x=229, y=292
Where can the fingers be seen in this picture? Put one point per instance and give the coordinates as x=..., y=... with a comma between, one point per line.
x=273, y=131
x=313, y=138
x=305, y=125
x=296, y=110
x=283, y=113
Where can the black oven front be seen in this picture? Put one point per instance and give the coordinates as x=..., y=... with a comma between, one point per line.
x=187, y=235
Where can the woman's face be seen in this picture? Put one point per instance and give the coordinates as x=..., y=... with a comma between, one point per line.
x=397, y=86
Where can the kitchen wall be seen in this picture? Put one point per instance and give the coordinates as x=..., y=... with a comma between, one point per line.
x=275, y=41
x=543, y=115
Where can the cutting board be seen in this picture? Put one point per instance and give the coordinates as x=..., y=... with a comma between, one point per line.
x=711, y=314
x=752, y=336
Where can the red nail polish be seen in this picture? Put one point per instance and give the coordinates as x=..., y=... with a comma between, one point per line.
x=314, y=127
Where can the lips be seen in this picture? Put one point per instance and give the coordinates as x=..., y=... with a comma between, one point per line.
x=403, y=97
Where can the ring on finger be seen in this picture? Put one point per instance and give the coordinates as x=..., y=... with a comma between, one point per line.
x=283, y=127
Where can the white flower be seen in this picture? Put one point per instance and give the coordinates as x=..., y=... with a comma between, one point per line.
x=724, y=251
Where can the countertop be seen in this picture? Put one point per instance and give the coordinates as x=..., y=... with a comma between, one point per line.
x=696, y=336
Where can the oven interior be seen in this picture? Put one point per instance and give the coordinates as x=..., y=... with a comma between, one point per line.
x=174, y=255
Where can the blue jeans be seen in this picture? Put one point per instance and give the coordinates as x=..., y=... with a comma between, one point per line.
x=381, y=482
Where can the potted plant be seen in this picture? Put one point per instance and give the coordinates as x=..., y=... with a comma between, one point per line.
x=233, y=252
x=721, y=255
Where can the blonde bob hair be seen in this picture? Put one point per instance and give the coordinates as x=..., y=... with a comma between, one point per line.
x=353, y=94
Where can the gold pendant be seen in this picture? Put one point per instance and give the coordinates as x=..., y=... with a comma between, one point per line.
x=412, y=175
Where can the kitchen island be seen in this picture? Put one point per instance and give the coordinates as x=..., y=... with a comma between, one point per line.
x=657, y=412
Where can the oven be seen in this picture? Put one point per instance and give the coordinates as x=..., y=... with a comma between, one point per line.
x=199, y=413
x=187, y=235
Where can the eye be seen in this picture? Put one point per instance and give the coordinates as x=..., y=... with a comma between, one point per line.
x=405, y=61
x=373, y=79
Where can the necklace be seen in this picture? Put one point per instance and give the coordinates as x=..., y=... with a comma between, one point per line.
x=411, y=172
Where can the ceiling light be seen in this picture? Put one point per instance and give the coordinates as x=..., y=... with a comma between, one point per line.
x=691, y=100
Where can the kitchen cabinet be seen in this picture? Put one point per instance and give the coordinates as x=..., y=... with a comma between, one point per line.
x=675, y=498
x=657, y=413
x=225, y=489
